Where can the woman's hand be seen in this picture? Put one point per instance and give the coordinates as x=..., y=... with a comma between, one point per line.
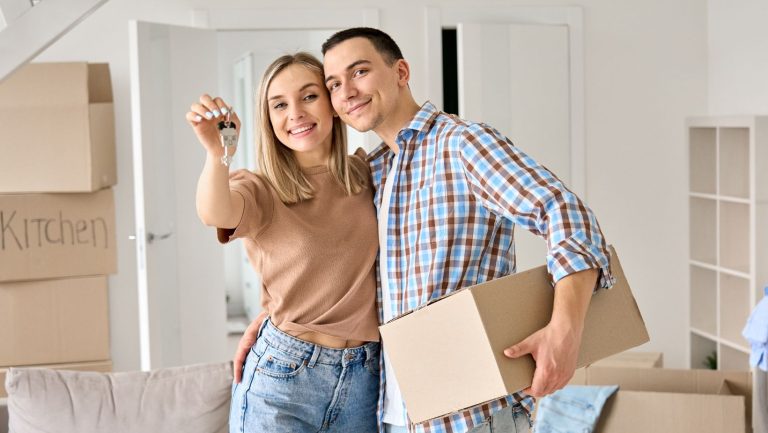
x=204, y=118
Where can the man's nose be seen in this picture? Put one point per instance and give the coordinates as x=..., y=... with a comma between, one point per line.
x=348, y=91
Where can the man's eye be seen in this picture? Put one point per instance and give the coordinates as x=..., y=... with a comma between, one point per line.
x=360, y=72
x=333, y=86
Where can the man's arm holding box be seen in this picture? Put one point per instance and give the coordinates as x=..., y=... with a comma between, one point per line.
x=555, y=348
x=511, y=184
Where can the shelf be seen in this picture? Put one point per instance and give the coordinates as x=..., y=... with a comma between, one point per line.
x=734, y=162
x=734, y=236
x=701, y=348
x=732, y=359
x=705, y=335
x=703, y=299
x=703, y=160
x=725, y=198
x=703, y=242
x=734, y=307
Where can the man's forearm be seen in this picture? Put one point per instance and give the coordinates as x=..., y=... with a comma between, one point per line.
x=572, y=296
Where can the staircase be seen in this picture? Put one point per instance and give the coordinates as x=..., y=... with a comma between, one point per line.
x=27, y=27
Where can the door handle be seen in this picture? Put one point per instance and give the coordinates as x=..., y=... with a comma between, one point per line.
x=151, y=237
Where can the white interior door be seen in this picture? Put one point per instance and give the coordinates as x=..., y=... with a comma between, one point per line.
x=515, y=77
x=181, y=266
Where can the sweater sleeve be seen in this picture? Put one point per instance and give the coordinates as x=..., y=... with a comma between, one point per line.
x=257, y=210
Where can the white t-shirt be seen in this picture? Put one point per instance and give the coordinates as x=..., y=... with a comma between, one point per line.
x=393, y=399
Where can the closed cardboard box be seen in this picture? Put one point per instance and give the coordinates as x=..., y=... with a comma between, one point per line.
x=98, y=366
x=667, y=400
x=57, y=235
x=58, y=129
x=54, y=321
x=448, y=355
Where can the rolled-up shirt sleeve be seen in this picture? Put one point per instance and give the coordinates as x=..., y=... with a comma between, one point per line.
x=257, y=209
x=512, y=185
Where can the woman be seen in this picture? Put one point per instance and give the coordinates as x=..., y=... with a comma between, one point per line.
x=309, y=227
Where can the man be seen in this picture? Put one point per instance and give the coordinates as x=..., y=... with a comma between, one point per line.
x=449, y=193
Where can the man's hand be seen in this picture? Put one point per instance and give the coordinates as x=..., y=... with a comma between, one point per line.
x=555, y=352
x=555, y=348
x=246, y=342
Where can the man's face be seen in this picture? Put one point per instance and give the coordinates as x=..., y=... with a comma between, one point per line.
x=364, y=89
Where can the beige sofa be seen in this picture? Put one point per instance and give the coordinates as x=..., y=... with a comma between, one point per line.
x=190, y=399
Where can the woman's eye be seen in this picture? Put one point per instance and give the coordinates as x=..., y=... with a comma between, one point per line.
x=310, y=97
x=279, y=106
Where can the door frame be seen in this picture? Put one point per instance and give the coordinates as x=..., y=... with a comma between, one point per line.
x=570, y=16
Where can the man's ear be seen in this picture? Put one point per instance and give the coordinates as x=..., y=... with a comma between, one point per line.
x=403, y=72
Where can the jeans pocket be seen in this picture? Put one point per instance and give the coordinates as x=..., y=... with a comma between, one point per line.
x=278, y=364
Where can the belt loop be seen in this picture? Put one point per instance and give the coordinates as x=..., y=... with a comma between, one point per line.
x=315, y=355
x=261, y=327
x=368, y=351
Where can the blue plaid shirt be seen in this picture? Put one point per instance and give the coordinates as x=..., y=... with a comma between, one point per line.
x=460, y=189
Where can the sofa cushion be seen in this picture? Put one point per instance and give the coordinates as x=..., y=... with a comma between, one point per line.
x=190, y=399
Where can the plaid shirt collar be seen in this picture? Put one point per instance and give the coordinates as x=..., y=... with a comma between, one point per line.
x=422, y=122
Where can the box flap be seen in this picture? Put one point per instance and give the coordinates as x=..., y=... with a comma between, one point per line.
x=677, y=381
x=99, y=83
x=726, y=389
x=456, y=342
x=45, y=85
x=643, y=412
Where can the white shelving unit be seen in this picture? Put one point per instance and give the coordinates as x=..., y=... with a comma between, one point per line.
x=728, y=254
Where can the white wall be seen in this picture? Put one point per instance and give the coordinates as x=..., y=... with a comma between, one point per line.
x=738, y=57
x=646, y=64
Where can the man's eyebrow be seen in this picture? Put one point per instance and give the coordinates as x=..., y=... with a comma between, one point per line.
x=351, y=66
x=300, y=90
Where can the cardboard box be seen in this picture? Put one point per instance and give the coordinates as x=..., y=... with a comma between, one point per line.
x=681, y=401
x=58, y=129
x=3, y=415
x=98, y=366
x=54, y=321
x=448, y=355
x=57, y=235
x=632, y=359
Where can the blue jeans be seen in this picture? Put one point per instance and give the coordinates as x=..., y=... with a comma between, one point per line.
x=293, y=386
x=511, y=419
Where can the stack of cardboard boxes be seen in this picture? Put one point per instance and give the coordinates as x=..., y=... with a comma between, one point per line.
x=57, y=217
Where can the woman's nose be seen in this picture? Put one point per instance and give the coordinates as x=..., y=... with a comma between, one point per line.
x=296, y=114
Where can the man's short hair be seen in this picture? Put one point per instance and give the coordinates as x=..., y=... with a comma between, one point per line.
x=381, y=41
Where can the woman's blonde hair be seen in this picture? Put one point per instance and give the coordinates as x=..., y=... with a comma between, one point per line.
x=277, y=162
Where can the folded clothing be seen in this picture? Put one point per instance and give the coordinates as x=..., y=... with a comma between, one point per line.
x=573, y=409
x=756, y=332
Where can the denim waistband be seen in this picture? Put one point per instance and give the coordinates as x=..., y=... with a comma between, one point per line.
x=314, y=353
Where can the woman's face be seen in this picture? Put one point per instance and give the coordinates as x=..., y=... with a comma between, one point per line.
x=301, y=114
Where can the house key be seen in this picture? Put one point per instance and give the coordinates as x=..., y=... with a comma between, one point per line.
x=228, y=132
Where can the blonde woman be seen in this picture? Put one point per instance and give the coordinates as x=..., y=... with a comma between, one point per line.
x=309, y=226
